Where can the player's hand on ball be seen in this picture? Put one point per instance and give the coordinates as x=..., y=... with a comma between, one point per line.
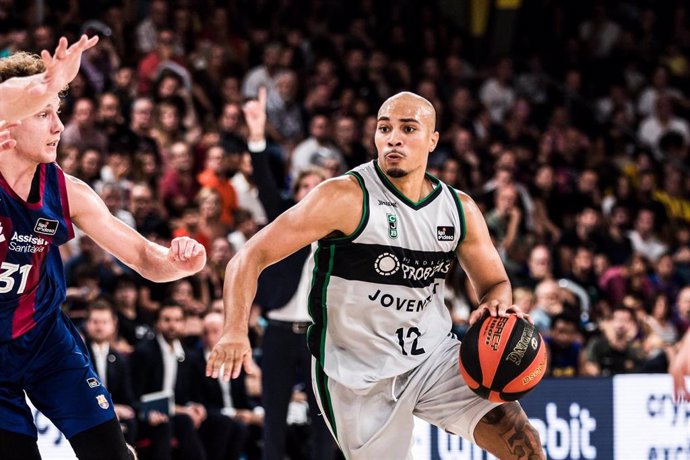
x=231, y=353
x=187, y=254
x=498, y=308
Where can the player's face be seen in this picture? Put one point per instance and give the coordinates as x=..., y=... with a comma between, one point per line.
x=404, y=135
x=38, y=136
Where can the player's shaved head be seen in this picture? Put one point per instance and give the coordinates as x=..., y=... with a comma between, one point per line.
x=409, y=105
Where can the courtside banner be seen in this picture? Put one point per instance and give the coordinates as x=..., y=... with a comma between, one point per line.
x=574, y=418
x=650, y=425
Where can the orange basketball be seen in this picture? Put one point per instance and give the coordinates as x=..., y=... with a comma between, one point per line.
x=502, y=359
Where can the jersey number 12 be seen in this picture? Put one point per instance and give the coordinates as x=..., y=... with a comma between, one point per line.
x=413, y=331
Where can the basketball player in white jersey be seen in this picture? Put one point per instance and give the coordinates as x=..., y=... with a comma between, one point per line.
x=387, y=232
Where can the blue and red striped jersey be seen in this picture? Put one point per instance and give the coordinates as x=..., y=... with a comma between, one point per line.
x=32, y=278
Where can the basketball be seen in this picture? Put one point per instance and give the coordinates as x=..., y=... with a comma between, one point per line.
x=502, y=358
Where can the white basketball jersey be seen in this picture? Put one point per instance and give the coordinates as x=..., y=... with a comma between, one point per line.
x=377, y=295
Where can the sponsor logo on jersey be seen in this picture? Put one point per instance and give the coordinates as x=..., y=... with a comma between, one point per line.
x=407, y=304
x=445, y=233
x=387, y=264
x=392, y=225
x=424, y=273
x=2, y=236
x=46, y=226
x=392, y=204
x=102, y=401
x=27, y=243
x=93, y=382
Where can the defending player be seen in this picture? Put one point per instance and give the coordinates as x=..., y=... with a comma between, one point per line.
x=387, y=233
x=41, y=352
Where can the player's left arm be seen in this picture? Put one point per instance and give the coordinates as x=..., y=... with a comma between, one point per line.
x=157, y=263
x=506, y=432
x=480, y=260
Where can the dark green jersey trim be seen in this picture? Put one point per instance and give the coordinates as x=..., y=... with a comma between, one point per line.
x=461, y=212
x=419, y=204
x=316, y=335
x=324, y=395
x=365, y=212
x=324, y=304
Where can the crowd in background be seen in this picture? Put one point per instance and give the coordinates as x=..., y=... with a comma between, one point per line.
x=574, y=142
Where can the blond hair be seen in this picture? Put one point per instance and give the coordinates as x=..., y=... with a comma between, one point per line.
x=20, y=64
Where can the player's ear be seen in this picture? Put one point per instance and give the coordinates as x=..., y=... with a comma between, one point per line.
x=434, y=141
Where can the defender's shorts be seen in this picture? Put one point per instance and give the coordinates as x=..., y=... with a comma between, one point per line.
x=51, y=363
x=378, y=423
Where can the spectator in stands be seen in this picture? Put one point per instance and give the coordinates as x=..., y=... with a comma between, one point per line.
x=658, y=87
x=177, y=185
x=263, y=75
x=217, y=167
x=163, y=364
x=133, y=324
x=318, y=144
x=682, y=310
x=147, y=215
x=662, y=121
x=660, y=320
x=210, y=225
x=81, y=130
x=147, y=30
x=497, y=93
x=539, y=267
x=615, y=242
x=245, y=228
x=228, y=399
x=643, y=236
x=547, y=304
x=213, y=275
x=585, y=233
x=564, y=346
x=111, y=366
x=283, y=111
x=347, y=141
x=113, y=195
x=615, y=350
x=504, y=222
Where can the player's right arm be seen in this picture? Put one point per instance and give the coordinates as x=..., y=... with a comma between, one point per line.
x=23, y=97
x=333, y=207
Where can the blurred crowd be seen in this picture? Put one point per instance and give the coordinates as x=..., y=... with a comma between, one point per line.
x=574, y=141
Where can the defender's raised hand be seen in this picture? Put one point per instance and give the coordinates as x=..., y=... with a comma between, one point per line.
x=62, y=66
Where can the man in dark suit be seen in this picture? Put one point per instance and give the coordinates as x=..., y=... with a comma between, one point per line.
x=163, y=364
x=111, y=366
x=229, y=400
